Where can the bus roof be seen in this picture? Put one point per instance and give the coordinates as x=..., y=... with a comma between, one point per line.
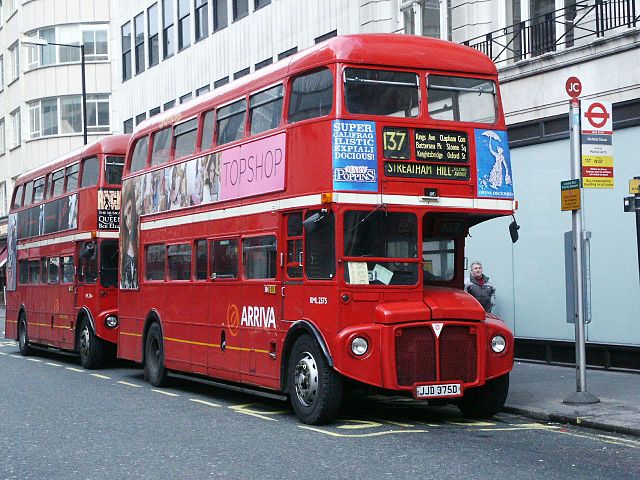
x=382, y=49
x=115, y=144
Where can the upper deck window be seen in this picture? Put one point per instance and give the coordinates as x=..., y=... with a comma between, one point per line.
x=72, y=177
x=113, y=167
x=57, y=183
x=38, y=190
x=207, y=130
x=17, y=200
x=311, y=96
x=461, y=99
x=381, y=92
x=161, y=146
x=230, y=122
x=139, y=157
x=265, y=109
x=90, y=172
x=28, y=194
x=186, y=135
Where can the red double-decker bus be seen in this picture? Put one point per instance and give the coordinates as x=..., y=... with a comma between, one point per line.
x=303, y=228
x=62, y=267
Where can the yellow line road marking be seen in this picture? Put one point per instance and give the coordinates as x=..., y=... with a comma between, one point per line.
x=34, y=360
x=53, y=364
x=470, y=423
x=16, y=356
x=397, y=424
x=97, y=375
x=255, y=413
x=168, y=394
x=2, y=353
x=599, y=438
x=204, y=402
x=359, y=435
x=531, y=426
x=357, y=424
x=79, y=370
x=130, y=384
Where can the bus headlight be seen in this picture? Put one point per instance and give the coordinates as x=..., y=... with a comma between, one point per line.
x=111, y=321
x=498, y=344
x=359, y=346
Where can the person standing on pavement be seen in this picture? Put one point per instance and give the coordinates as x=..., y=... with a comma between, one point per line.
x=480, y=287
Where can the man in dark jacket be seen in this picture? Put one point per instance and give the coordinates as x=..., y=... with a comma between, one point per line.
x=480, y=287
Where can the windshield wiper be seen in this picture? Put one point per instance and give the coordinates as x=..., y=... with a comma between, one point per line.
x=380, y=205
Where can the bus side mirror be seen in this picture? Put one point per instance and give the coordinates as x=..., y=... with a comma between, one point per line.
x=513, y=230
x=314, y=221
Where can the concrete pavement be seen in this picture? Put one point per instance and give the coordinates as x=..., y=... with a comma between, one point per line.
x=537, y=390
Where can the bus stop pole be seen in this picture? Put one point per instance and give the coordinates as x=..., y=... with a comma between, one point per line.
x=581, y=396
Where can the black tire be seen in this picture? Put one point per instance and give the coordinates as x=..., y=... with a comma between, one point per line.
x=154, y=369
x=315, y=389
x=485, y=401
x=90, y=347
x=23, y=337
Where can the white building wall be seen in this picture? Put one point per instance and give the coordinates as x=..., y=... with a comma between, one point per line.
x=53, y=80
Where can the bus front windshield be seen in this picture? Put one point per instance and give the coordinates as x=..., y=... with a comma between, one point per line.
x=380, y=247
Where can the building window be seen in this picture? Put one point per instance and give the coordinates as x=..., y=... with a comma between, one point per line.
x=127, y=126
x=241, y=73
x=185, y=98
x=126, y=51
x=220, y=82
x=326, y=36
x=138, y=31
x=169, y=104
x=167, y=28
x=3, y=199
x=184, y=32
x=152, y=29
x=202, y=19
x=202, y=90
x=96, y=44
x=429, y=18
x=1, y=70
x=2, y=143
x=14, y=52
x=141, y=118
x=15, y=128
x=288, y=53
x=98, y=113
x=154, y=111
x=260, y=3
x=264, y=63
x=220, y=18
x=71, y=114
x=240, y=9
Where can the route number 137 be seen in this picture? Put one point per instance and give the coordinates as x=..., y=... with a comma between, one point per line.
x=395, y=142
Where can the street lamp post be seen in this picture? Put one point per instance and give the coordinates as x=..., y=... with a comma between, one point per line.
x=43, y=43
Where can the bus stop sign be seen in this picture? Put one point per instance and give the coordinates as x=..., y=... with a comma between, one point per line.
x=573, y=87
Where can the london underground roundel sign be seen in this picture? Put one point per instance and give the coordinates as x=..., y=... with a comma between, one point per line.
x=573, y=87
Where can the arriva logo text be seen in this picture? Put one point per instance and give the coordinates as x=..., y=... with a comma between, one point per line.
x=261, y=317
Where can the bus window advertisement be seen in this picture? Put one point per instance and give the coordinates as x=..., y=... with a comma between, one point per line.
x=254, y=168
x=108, y=209
x=355, y=157
x=494, y=164
x=12, y=243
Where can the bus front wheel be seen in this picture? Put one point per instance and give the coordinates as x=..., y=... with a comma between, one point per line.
x=485, y=401
x=90, y=347
x=23, y=337
x=315, y=388
x=154, y=369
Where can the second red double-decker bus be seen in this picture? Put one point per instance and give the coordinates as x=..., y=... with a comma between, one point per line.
x=62, y=266
x=304, y=228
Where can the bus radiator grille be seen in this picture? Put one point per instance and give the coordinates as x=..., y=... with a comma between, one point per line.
x=458, y=354
x=415, y=356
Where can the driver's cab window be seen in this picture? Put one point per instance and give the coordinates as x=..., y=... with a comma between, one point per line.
x=88, y=262
x=438, y=259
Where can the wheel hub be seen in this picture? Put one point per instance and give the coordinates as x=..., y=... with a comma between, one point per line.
x=84, y=342
x=306, y=379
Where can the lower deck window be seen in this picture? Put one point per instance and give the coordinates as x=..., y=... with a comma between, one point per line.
x=179, y=261
x=259, y=257
x=154, y=262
